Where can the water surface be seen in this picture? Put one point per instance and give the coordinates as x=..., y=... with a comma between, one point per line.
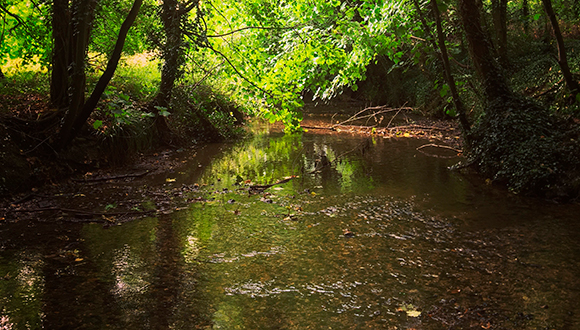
x=369, y=233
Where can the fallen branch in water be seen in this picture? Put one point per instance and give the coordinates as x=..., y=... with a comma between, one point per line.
x=114, y=177
x=439, y=146
x=266, y=186
x=82, y=212
x=415, y=126
x=381, y=129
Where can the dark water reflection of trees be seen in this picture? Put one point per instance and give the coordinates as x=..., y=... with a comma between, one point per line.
x=431, y=249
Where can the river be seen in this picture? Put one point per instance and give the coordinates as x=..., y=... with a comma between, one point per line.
x=364, y=233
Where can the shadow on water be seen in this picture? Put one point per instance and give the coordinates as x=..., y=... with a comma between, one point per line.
x=369, y=233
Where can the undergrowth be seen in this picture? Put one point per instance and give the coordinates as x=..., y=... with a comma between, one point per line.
x=525, y=146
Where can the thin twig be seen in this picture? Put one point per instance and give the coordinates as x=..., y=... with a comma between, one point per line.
x=82, y=212
x=251, y=28
x=384, y=110
x=439, y=146
x=115, y=177
x=393, y=118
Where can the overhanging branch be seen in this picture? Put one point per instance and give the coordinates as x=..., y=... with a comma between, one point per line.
x=251, y=28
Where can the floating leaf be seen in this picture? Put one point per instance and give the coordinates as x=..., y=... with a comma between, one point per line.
x=413, y=313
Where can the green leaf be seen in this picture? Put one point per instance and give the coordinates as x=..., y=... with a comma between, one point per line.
x=444, y=90
x=450, y=111
x=97, y=124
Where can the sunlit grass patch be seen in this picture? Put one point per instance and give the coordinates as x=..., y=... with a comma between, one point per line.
x=24, y=77
x=138, y=75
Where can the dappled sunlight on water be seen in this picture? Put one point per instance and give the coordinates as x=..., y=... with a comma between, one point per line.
x=362, y=232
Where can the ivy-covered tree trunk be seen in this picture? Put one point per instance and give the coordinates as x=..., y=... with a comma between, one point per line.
x=517, y=142
x=562, y=57
x=172, y=52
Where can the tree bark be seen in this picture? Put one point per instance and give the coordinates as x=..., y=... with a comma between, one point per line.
x=499, y=13
x=82, y=16
x=459, y=107
x=562, y=57
x=494, y=83
x=61, y=35
x=172, y=52
x=526, y=15
x=91, y=103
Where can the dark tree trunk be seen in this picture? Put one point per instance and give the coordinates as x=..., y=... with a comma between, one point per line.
x=494, y=83
x=459, y=107
x=562, y=58
x=60, y=55
x=172, y=52
x=82, y=16
x=499, y=13
x=91, y=103
x=526, y=15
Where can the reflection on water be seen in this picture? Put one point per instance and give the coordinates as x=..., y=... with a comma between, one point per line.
x=369, y=233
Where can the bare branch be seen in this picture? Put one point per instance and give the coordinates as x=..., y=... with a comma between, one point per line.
x=382, y=109
x=433, y=145
x=251, y=28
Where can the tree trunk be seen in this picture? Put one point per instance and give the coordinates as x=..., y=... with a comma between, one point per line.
x=172, y=51
x=459, y=107
x=61, y=34
x=82, y=16
x=526, y=15
x=562, y=58
x=499, y=13
x=172, y=60
x=494, y=83
x=91, y=103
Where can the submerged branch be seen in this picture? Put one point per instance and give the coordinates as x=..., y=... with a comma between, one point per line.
x=115, y=177
x=266, y=186
x=82, y=212
x=439, y=146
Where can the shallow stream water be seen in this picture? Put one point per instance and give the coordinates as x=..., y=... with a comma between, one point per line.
x=369, y=234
